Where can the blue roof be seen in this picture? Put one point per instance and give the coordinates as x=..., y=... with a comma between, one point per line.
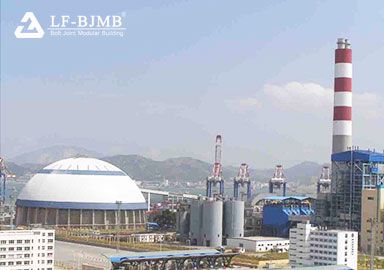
x=163, y=254
x=283, y=198
x=361, y=155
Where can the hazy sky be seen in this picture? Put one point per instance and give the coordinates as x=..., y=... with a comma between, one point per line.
x=258, y=72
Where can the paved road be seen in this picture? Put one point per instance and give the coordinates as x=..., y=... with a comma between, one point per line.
x=73, y=255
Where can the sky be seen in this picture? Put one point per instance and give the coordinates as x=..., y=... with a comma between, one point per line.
x=258, y=72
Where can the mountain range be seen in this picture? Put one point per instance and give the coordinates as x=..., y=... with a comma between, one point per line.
x=145, y=169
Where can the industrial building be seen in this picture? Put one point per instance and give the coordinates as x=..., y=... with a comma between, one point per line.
x=81, y=192
x=281, y=213
x=259, y=243
x=27, y=249
x=372, y=220
x=312, y=246
x=352, y=172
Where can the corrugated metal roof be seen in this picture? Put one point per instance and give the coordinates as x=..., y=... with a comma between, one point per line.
x=283, y=198
x=361, y=155
x=163, y=254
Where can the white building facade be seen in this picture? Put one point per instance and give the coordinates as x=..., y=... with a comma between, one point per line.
x=27, y=249
x=311, y=246
x=259, y=243
x=299, y=252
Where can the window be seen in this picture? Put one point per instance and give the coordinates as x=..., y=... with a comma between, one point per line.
x=11, y=241
x=19, y=241
x=3, y=242
x=370, y=198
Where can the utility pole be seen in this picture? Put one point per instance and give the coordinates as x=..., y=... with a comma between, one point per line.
x=118, y=227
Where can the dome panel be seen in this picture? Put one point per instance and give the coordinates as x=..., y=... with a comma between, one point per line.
x=81, y=183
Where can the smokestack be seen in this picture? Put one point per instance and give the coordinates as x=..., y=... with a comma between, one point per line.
x=342, y=108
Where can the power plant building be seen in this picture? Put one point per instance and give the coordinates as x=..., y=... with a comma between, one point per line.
x=81, y=192
x=281, y=213
x=353, y=172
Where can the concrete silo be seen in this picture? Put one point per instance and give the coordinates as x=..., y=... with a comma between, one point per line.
x=212, y=223
x=195, y=224
x=233, y=219
x=182, y=222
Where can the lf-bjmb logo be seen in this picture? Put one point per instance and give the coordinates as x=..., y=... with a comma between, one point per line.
x=33, y=30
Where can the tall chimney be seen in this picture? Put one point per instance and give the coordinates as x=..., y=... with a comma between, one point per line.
x=342, y=108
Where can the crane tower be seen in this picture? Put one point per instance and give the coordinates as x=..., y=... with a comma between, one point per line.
x=216, y=177
x=240, y=180
x=278, y=180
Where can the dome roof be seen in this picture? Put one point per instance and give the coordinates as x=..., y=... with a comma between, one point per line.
x=81, y=183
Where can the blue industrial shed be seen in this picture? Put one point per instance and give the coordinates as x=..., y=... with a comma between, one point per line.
x=279, y=211
x=359, y=155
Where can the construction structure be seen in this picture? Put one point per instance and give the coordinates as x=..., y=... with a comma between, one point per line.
x=278, y=180
x=353, y=172
x=342, y=110
x=81, y=193
x=217, y=172
x=242, y=179
x=324, y=181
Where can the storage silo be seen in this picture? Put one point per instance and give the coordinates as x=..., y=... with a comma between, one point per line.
x=182, y=222
x=212, y=221
x=233, y=219
x=195, y=222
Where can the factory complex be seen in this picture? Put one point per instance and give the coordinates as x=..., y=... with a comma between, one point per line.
x=346, y=216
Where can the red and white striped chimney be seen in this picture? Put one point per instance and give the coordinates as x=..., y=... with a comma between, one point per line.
x=342, y=110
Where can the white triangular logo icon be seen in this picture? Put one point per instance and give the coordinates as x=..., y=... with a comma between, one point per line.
x=34, y=28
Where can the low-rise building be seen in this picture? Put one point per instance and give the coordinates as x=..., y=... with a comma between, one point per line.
x=259, y=243
x=312, y=246
x=152, y=237
x=27, y=249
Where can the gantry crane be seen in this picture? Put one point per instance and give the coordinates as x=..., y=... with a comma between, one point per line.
x=217, y=172
x=240, y=180
x=278, y=180
x=324, y=182
x=4, y=174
